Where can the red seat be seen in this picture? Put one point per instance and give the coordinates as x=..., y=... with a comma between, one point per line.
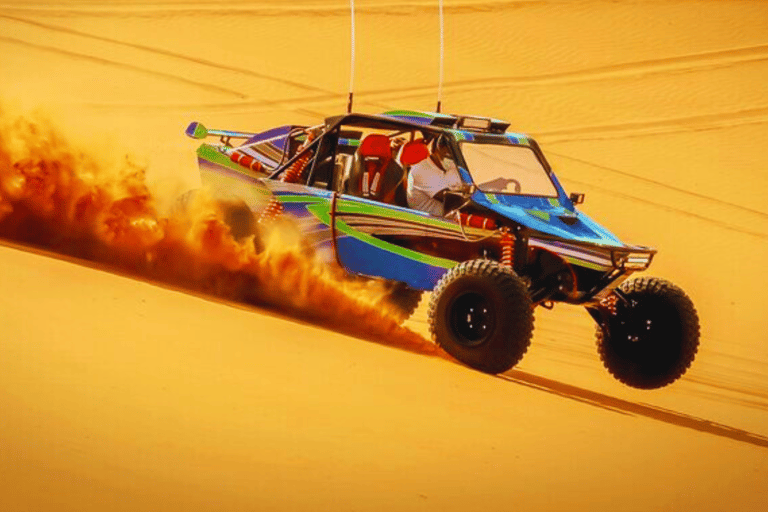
x=375, y=145
x=375, y=156
x=414, y=152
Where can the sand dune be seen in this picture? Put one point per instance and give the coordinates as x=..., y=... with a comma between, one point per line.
x=136, y=393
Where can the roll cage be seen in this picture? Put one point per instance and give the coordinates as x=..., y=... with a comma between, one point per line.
x=338, y=129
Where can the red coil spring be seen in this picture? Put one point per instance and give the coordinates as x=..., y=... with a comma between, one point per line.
x=296, y=170
x=272, y=211
x=507, y=248
x=246, y=161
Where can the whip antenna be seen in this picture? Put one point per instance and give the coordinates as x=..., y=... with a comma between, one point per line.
x=352, y=56
x=442, y=52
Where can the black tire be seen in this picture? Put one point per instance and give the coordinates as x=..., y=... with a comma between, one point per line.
x=239, y=218
x=404, y=301
x=481, y=314
x=234, y=213
x=653, y=338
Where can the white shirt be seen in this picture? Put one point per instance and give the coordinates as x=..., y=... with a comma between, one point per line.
x=426, y=179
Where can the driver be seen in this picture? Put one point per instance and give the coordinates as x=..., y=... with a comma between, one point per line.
x=431, y=176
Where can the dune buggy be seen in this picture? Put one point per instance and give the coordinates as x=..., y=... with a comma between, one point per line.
x=510, y=238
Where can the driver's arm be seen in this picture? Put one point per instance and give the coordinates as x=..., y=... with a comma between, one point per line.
x=452, y=178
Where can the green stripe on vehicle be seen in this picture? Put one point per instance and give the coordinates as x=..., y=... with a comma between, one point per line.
x=409, y=113
x=586, y=264
x=299, y=198
x=321, y=210
x=346, y=206
x=538, y=213
x=462, y=136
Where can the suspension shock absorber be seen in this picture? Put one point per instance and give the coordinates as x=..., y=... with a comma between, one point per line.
x=295, y=172
x=273, y=210
x=292, y=175
x=507, y=244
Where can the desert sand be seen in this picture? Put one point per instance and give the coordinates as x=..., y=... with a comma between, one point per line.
x=122, y=392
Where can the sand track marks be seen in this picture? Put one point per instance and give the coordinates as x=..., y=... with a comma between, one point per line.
x=667, y=186
x=168, y=53
x=123, y=65
x=714, y=121
x=338, y=9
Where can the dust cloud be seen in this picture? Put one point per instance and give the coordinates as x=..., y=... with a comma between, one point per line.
x=62, y=198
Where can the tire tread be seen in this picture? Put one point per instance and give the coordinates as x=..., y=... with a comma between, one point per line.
x=512, y=289
x=690, y=328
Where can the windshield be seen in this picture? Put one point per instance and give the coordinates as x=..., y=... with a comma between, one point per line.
x=507, y=169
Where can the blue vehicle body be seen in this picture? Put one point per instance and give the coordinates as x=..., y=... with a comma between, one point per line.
x=565, y=255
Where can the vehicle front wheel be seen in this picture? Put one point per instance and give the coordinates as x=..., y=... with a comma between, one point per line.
x=650, y=335
x=481, y=314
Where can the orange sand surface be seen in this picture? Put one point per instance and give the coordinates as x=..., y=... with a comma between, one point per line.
x=118, y=393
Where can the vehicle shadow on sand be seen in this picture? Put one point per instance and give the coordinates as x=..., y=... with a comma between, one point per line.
x=405, y=339
x=626, y=407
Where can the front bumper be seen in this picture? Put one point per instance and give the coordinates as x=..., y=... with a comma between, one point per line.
x=597, y=257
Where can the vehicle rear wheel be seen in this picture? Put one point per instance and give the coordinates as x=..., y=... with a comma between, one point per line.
x=234, y=212
x=653, y=337
x=404, y=300
x=481, y=314
x=239, y=218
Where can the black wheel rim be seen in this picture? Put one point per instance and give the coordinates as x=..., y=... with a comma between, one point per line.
x=472, y=319
x=648, y=336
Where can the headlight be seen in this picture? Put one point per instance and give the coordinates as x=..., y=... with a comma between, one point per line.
x=631, y=260
x=638, y=261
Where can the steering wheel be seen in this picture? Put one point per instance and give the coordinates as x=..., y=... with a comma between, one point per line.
x=452, y=200
x=500, y=184
x=440, y=196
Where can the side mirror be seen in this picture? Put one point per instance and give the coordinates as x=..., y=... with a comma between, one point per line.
x=576, y=198
x=196, y=130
